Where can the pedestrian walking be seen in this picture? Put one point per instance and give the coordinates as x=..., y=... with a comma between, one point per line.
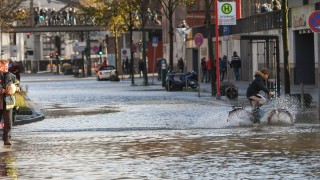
x=204, y=69
x=236, y=65
x=223, y=66
x=141, y=67
x=8, y=83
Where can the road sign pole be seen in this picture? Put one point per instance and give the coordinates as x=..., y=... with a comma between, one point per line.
x=318, y=74
x=218, y=96
x=154, y=57
x=199, y=64
x=155, y=45
x=198, y=40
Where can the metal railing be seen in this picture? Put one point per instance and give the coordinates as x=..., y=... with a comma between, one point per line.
x=259, y=22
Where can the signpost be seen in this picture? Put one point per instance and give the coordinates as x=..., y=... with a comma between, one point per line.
x=198, y=41
x=134, y=48
x=95, y=48
x=155, y=45
x=226, y=15
x=314, y=24
x=314, y=21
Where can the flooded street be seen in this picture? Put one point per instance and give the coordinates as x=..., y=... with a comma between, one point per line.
x=112, y=130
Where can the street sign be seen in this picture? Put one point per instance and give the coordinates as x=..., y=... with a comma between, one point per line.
x=95, y=49
x=227, y=13
x=78, y=46
x=314, y=21
x=134, y=48
x=226, y=32
x=76, y=56
x=198, y=39
x=155, y=41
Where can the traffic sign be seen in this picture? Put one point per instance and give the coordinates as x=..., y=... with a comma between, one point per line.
x=79, y=46
x=227, y=13
x=95, y=49
x=155, y=41
x=198, y=39
x=134, y=48
x=314, y=21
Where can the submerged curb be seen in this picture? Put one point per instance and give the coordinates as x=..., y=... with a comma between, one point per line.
x=35, y=116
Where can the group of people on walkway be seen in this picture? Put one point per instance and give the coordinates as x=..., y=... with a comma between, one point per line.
x=234, y=63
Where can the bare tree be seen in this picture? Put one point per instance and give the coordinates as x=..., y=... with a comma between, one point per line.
x=10, y=12
x=168, y=7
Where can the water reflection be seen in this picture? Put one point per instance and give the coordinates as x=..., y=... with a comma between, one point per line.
x=274, y=153
x=8, y=167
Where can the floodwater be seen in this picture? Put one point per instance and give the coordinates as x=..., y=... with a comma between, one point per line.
x=112, y=130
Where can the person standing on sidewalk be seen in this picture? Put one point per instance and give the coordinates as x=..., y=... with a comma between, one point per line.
x=223, y=67
x=236, y=65
x=204, y=69
x=8, y=82
x=208, y=65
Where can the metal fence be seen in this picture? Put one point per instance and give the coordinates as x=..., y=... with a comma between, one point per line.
x=259, y=22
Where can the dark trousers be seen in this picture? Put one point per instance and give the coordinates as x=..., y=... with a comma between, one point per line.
x=204, y=75
x=222, y=73
x=7, y=119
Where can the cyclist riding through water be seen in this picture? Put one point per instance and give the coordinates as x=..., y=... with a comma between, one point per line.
x=257, y=85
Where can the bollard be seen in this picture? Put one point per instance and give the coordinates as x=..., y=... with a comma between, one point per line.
x=163, y=72
x=302, y=96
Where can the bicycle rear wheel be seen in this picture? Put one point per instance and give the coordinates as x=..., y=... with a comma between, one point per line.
x=280, y=117
x=238, y=113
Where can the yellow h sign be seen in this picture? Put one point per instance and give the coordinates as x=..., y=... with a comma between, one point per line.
x=226, y=8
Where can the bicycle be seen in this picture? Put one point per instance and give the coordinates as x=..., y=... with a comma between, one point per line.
x=270, y=111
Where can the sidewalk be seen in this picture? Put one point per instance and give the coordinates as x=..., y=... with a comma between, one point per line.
x=240, y=85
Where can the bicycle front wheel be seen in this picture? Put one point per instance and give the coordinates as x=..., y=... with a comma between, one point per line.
x=280, y=117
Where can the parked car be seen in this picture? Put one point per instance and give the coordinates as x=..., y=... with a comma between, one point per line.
x=105, y=72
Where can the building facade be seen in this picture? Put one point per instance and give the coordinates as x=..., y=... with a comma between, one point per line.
x=256, y=53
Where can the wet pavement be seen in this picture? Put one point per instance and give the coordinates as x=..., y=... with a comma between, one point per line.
x=112, y=130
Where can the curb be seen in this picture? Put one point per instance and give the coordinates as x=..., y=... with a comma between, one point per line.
x=36, y=116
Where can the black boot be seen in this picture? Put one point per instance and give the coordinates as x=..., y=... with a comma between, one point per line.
x=7, y=142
